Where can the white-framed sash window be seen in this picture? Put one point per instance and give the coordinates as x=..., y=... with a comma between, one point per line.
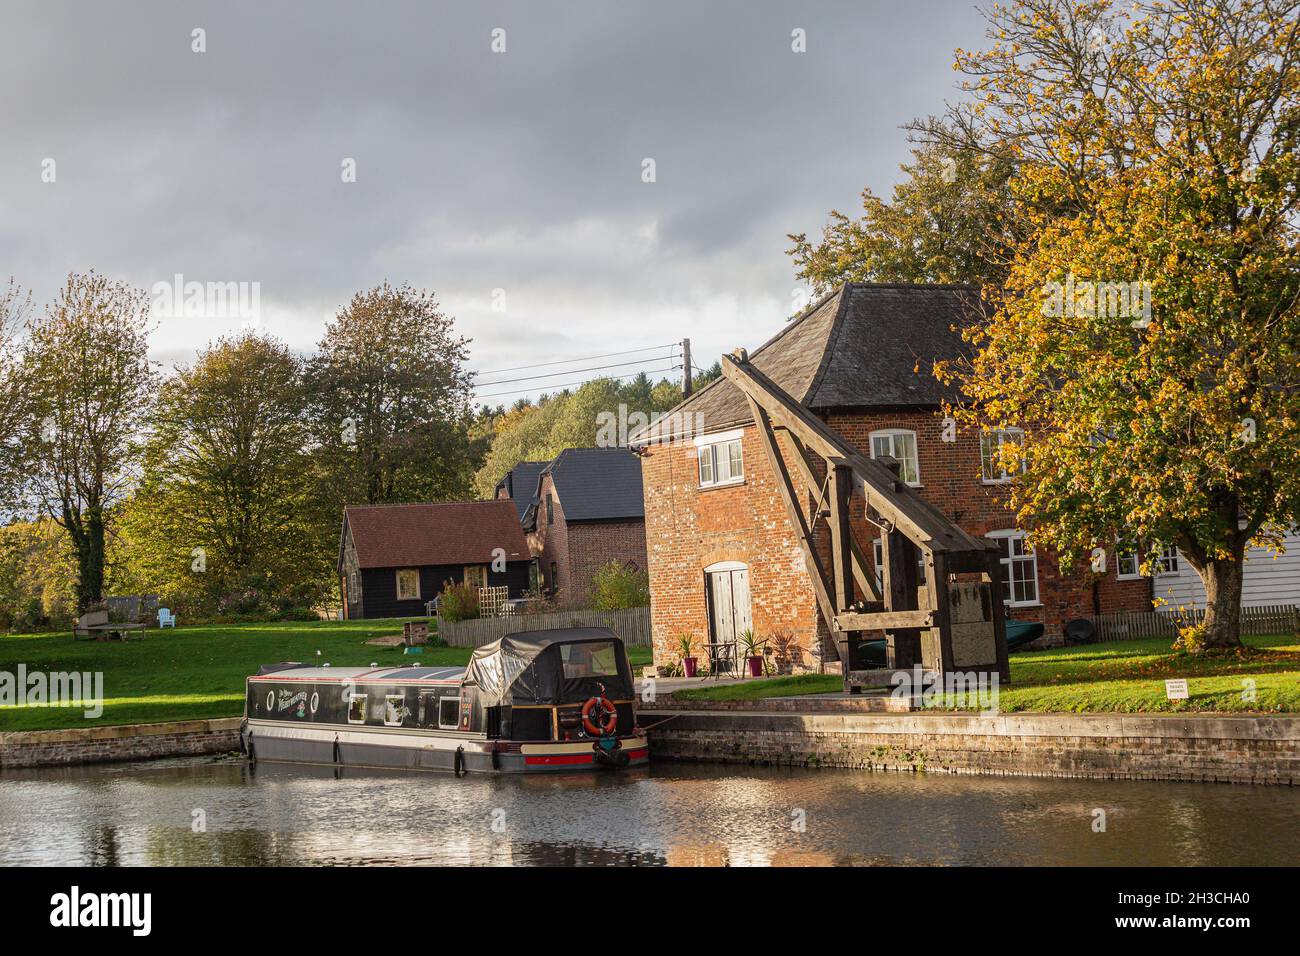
x=721, y=461
x=899, y=443
x=1019, y=568
x=992, y=471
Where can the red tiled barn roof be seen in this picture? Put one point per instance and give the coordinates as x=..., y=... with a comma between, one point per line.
x=453, y=532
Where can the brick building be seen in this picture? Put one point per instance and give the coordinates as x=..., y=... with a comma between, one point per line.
x=580, y=512
x=722, y=554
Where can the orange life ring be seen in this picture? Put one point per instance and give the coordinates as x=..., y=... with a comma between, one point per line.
x=610, y=712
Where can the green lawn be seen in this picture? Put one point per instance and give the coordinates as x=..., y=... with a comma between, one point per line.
x=1123, y=676
x=758, y=689
x=198, y=672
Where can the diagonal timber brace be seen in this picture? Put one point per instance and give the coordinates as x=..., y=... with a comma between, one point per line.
x=924, y=550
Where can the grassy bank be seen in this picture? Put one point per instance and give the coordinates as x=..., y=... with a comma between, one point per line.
x=1123, y=676
x=198, y=672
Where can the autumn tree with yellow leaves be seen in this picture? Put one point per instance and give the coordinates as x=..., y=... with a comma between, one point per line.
x=1147, y=332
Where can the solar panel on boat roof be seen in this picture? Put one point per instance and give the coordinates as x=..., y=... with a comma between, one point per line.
x=425, y=673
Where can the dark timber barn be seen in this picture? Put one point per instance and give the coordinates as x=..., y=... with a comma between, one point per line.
x=394, y=559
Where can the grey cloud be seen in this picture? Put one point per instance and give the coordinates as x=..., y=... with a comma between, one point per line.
x=475, y=170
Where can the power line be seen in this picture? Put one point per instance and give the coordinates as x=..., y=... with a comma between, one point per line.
x=521, y=391
x=574, y=371
x=585, y=358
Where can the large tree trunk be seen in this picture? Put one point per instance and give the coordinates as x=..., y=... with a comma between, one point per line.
x=1222, y=578
x=90, y=560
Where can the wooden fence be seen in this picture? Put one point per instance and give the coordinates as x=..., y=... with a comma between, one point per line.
x=1271, y=619
x=633, y=625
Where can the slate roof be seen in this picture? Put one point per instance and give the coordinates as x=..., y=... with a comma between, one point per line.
x=520, y=483
x=452, y=532
x=863, y=346
x=598, y=484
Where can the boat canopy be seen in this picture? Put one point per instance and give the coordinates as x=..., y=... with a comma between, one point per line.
x=554, y=666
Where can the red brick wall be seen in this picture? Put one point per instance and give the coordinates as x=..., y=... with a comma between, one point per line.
x=594, y=544
x=688, y=528
x=581, y=548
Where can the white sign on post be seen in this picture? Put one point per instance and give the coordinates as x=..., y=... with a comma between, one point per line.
x=1176, y=689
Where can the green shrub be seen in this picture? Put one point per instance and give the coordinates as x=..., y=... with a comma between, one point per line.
x=615, y=587
x=459, y=602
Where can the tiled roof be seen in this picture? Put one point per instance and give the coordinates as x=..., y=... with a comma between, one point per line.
x=862, y=346
x=596, y=484
x=520, y=483
x=453, y=532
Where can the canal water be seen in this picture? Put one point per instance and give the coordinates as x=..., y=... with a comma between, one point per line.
x=218, y=810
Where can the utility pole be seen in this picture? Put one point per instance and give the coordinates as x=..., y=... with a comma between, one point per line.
x=686, y=368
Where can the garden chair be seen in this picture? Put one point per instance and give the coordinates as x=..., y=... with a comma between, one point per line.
x=166, y=618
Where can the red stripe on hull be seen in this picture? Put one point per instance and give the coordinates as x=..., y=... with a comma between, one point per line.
x=559, y=759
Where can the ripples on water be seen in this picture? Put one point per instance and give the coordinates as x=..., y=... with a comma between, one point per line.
x=670, y=814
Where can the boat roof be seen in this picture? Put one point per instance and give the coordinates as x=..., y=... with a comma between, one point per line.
x=363, y=675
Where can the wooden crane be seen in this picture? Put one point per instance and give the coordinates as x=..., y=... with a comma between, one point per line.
x=950, y=618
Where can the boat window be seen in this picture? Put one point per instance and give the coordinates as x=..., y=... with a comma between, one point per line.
x=598, y=659
x=428, y=709
x=357, y=709
x=394, y=710
x=449, y=713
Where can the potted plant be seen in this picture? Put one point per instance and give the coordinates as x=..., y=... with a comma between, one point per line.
x=684, y=645
x=753, y=651
x=787, y=650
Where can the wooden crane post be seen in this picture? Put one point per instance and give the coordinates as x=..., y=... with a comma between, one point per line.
x=941, y=604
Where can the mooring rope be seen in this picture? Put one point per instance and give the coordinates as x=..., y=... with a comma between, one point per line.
x=658, y=722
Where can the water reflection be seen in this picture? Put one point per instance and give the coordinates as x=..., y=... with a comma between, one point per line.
x=669, y=814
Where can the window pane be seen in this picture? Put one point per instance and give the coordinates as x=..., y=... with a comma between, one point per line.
x=449, y=711
x=987, y=444
x=721, y=463
x=706, y=465
x=737, y=466
x=881, y=445
x=357, y=709
x=905, y=451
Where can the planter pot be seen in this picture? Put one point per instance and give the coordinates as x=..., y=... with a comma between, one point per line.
x=755, y=665
x=688, y=666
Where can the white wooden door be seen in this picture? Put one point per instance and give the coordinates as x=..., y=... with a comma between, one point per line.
x=730, y=612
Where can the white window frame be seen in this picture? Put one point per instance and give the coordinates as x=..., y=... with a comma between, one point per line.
x=714, y=449
x=1123, y=551
x=892, y=434
x=352, y=698
x=1030, y=555
x=398, y=582
x=1168, y=564
x=988, y=455
x=401, y=700
x=455, y=724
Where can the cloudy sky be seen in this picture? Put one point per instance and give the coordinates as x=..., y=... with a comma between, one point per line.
x=476, y=170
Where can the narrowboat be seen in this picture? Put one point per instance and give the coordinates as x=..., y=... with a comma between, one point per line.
x=532, y=702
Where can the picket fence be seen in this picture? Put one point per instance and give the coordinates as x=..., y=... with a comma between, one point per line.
x=1123, y=625
x=632, y=625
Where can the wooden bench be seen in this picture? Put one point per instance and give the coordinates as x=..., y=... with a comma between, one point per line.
x=95, y=625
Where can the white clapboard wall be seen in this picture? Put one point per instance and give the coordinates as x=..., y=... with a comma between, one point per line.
x=1269, y=579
